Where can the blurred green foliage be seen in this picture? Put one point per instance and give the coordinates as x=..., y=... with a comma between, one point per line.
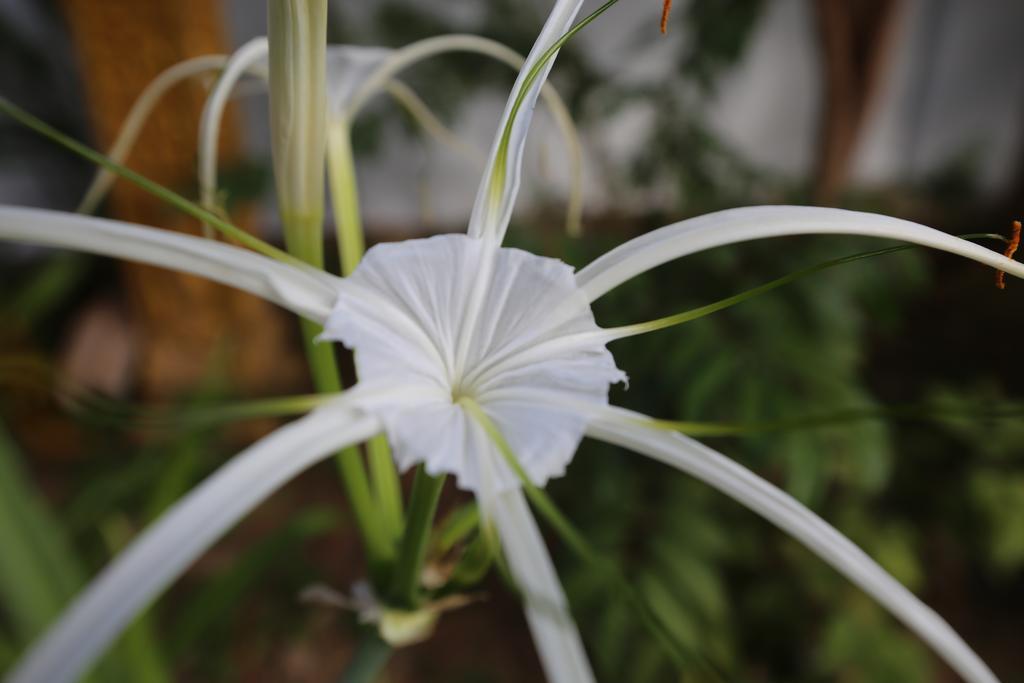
x=941, y=506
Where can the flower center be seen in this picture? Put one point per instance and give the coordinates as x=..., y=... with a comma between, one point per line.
x=452, y=317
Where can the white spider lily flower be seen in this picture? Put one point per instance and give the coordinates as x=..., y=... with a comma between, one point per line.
x=455, y=337
x=443, y=313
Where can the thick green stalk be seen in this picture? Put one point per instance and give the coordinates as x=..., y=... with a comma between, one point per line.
x=298, y=42
x=426, y=491
x=326, y=379
x=371, y=656
x=297, y=34
x=351, y=243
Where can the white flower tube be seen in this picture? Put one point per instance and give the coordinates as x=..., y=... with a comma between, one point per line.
x=308, y=292
x=757, y=222
x=167, y=548
x=627, y=429
x=298, y=119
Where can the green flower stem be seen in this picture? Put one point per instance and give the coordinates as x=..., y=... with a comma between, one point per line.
x=345, y=194
x=167, y=195
x=379, y=538
x=344, y=189
x=298, y=39
x=457, y=526
x=426, y=491
x=371, y=656
x=306, y=243
x=326, y=378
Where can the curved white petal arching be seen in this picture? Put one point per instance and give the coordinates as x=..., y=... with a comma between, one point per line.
x=627, y=429
x=390, y=65
x=554, y=632
x=308, y=292
x=491, y=213
x=167, y=548
x=137, y=115
x=757, y=222
x=251, y=57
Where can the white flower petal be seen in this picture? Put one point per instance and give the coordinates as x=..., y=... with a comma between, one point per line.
x=137, y=116
x=354, y=89
x=348, y=69
x=626, y=429
x=756, y=222
x=308, y=292
x=458, y=317
x=554, y=632
x=490, y=219
x=166, y=549
x=251, y=57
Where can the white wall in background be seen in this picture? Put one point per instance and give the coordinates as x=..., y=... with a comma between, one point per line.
x=955, y=84
x=767, y=107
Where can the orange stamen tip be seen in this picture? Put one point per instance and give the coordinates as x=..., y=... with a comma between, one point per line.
x=666, y=8
x=1011, y=249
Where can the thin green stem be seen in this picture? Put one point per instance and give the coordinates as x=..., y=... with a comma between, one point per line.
x=722, y=304
x=702, y=311
x=345, y=194
x=101, y=410
x=327, y=380
x=163, y=193
x=297, y=38
x=914, y=413
x=426, y=491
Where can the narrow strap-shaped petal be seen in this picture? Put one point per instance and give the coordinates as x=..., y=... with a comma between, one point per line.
x=251, y=57
x=492, y=212
x=756, y=222
x=627, y=429
x=352, y=87
x=137, y=116
x=167, y=548
x=308, y=292
x=547, y=612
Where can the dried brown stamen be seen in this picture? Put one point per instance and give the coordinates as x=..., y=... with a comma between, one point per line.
x=1011, y=249
x=666, y=8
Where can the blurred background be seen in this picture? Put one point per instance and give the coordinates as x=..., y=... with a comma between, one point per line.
x=914, y=108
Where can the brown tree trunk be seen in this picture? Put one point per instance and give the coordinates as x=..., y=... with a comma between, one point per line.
x=183, y=320
x=856, y=40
